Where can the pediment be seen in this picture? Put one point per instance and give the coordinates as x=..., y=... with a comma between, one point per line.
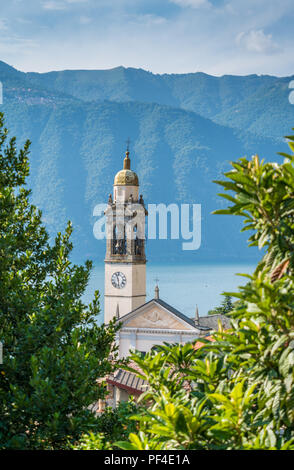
x=154, y=316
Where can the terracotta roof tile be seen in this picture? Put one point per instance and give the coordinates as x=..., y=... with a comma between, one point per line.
x=199, y=344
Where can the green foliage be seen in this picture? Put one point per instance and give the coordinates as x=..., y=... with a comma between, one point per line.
x=238, y=391
x=112, y=425
x=53, y=350
x=225, y=307
x=93, y=441
x=264, y=196
x=115, y=423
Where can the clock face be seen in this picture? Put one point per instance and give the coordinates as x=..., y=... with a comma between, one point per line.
x=118, y=280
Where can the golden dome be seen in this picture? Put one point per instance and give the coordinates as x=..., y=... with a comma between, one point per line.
x=126, y=177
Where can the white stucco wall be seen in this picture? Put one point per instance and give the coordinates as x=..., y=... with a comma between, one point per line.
x=122, y=193
x=133, y=295
x=144, y=339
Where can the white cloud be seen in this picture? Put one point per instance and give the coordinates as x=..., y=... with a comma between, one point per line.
x=85, y=20
x=147, y=19
x=15, y=46
x=257, y=41
x=191, y=3
x=218, y=37
x=76, y=1
x=60, y=4
x=24, y=21
x=53, y=5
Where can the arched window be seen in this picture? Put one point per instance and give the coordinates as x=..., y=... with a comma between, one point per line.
x=114, y=240
x=119, y=244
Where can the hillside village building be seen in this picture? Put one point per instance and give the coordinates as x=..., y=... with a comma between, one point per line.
x=144, y=324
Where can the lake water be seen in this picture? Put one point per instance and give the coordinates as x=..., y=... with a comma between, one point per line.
x=184, y=286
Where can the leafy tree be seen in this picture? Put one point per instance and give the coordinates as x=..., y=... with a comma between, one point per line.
x=225, y=307
x=54, y=352
x=112, y=425
x=238, y=391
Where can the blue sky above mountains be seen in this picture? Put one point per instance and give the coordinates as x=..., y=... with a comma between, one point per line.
x=163, y=36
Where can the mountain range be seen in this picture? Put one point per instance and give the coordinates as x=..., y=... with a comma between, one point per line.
x=184, y=131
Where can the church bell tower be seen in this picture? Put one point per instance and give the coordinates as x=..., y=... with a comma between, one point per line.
x=125, y=261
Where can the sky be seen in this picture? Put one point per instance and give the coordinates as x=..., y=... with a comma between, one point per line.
x=218, y=37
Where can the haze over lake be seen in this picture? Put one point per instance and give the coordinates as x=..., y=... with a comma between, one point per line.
x=184, y=286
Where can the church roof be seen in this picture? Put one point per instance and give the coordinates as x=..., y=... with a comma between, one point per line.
x=211, y=321
x=171, y=309
x=128, y=381
x=176, y=312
